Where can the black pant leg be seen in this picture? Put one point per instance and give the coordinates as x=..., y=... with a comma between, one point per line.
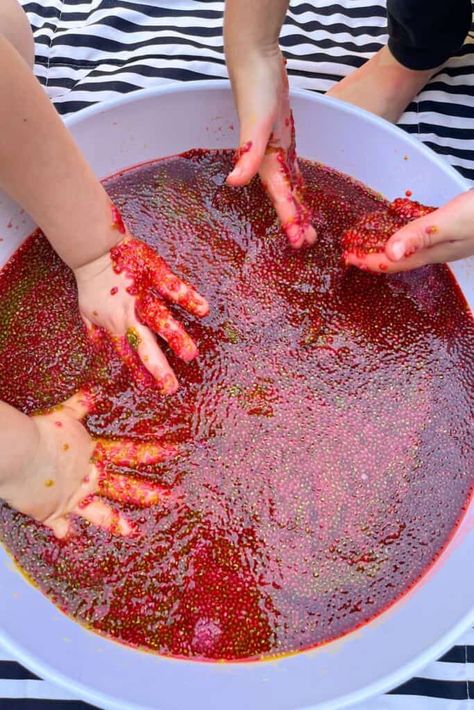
x=424, y=33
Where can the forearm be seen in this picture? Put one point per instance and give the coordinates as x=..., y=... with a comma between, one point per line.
x=19, y=439
x=253, y=56
x=43, y=170
x=16, y=28
x=252, y=27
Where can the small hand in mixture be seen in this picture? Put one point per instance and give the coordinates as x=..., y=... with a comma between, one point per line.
x=57, y=469
x=411, y=235
x=124, y=292
x=267, y=137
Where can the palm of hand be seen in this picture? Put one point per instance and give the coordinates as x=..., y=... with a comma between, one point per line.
x=71, y=474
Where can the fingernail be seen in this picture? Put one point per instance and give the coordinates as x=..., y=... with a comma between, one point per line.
x=294, y=239
x=191, y=353
x=201, y=307
x=123, y=527
x=168, y=384
x=293, y=232
x=61, y=529
x=236, y=173
x=398, y=250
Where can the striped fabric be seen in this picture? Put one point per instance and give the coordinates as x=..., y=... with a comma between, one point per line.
x=445, y=685
x=90, y=50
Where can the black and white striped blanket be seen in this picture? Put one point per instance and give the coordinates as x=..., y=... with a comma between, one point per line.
x=90, y=50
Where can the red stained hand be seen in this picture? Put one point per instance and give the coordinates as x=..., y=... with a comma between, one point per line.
x=364, y=243
x=70, y=473
x=125, y=293
x=411, y=235
x=267, y=145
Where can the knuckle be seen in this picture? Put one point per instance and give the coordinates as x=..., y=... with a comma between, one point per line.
x=423, y=236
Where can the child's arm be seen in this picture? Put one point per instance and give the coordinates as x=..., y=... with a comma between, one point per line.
x=260, y=85
x=50, y=467
x=43, y=170
x=447, y=234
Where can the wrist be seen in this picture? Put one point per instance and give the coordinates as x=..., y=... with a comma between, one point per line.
x=259, y=71
x=92, y=229
x=242, y=58
x=256, y=85
x=92, y=269
x=99, y=259
x=94, y=255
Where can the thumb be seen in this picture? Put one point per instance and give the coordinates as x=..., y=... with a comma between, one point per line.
x=254, y=138
x=60, y=526
x=424, y=233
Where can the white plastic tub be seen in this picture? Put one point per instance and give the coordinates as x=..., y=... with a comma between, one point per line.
x=384, y=653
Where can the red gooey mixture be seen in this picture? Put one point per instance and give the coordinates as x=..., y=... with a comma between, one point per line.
x=324, y=434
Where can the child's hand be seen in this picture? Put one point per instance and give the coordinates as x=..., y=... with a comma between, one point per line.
x=124, y=292
x=68, y=473
x=267, y=141
x=445, y=234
